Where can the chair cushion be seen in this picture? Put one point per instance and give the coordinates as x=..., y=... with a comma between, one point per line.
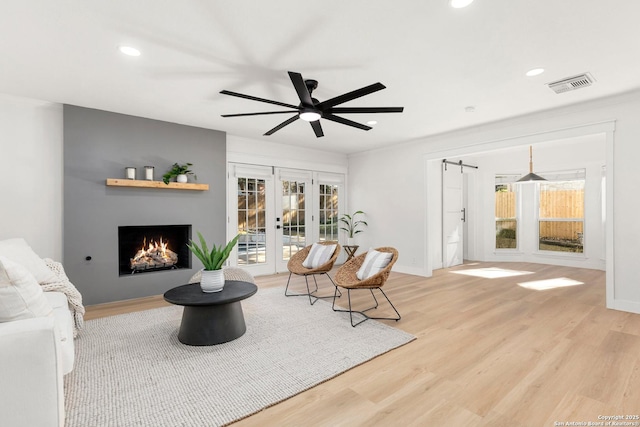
x=373, y=264
x=318, y=255
x=21, y=296
x=18, y=250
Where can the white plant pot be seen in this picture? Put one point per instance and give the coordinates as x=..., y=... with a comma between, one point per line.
x=212, y=281
x=350, y=241
x=181, y=178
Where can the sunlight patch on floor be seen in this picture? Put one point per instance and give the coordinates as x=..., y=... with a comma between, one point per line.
x=544, y=285
x=491, y=272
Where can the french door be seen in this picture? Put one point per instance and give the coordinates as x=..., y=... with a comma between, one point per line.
x=279, y=211
x=294, y=229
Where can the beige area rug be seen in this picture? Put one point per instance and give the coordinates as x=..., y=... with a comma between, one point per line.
x=131, y=370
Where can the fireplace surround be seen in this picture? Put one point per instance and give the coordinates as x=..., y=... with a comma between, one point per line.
x=152, y=248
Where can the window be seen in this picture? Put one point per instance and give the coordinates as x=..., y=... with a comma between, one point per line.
x=328, y=212
x=505, y=211
x=561, y=214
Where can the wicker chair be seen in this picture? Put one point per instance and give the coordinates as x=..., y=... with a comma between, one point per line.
x=295, y=267
x=346, y=278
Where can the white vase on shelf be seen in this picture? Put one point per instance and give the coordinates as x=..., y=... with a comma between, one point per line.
x=181, y=178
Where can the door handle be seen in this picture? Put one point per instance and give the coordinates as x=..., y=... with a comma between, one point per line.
x=278, y=227
x=464, y=214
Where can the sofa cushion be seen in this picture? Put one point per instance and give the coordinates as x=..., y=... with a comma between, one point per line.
x=21, y=296
x=18, y=250
x=373, y=264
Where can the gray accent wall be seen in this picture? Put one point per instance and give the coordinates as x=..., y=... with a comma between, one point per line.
x=99, y=145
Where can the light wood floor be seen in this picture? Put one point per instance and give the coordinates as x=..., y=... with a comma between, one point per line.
x=489, y=353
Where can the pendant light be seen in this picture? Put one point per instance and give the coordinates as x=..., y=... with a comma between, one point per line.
x=531, y=176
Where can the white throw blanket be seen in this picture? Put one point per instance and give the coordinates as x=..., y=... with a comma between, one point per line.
x=66, y=287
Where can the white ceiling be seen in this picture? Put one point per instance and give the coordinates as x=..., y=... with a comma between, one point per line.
x=434, y=60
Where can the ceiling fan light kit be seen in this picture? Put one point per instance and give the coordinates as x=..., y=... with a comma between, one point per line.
x=311, y=110
x=309, y=115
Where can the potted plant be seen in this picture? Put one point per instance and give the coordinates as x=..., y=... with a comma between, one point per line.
x=352, y=225
x=180, y=172
x=212, y=260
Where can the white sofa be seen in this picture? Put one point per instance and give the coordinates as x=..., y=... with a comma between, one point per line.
x=36, y=351
x=34, y=355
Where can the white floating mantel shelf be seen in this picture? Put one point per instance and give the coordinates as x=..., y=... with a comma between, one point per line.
x=115, y=182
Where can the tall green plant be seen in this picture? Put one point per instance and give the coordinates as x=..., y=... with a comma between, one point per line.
x=212, y=259
x=351, y=224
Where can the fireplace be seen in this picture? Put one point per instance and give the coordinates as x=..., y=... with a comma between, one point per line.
x=149, y=248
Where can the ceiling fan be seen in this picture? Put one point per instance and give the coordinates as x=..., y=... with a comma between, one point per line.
x=312, y=110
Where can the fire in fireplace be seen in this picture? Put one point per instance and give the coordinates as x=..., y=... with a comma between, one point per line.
x=147, y=248
x=156, y=255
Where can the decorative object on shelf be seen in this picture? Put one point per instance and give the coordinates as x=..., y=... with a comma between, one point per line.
x=148, y=173
x=352, y=225
x=212, y=276
x=130, y=172
x=176, y=171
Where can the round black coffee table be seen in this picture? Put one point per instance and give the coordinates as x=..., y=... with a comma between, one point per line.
x=211, y=318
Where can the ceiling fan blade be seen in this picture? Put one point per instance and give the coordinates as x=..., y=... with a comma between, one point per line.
x=256, y=114
x=351, y=95
x=301, y=88
x=344, y=121
x=255, y=98
x=317, y=128
x=366, y=110
x=281, y=125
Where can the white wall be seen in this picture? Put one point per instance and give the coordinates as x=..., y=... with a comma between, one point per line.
x=31, y=186
x=267, y=153
x=388, y=183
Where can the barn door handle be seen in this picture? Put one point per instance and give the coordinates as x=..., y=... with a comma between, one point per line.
x=464, y=214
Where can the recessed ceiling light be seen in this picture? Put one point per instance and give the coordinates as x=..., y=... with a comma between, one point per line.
x=372, y=122
x=128, y=50
x=470, y=109
x=459, y=4
x=535, y=72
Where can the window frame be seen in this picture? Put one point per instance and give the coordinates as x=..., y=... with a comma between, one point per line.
x=560, y=177
x=508, y=179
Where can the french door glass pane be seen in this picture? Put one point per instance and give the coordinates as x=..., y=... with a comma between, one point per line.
x=328, y=212
x=251, y=221
x=505, y=213
x=293, y=215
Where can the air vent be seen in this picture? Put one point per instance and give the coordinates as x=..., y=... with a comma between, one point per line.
x=572, y=83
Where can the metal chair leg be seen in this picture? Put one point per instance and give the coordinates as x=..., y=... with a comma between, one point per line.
x=362, y=312
x=310, y=293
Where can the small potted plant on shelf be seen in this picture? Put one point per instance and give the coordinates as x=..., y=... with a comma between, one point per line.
x=179, y=172
x=212, y=275
x=352, y=225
